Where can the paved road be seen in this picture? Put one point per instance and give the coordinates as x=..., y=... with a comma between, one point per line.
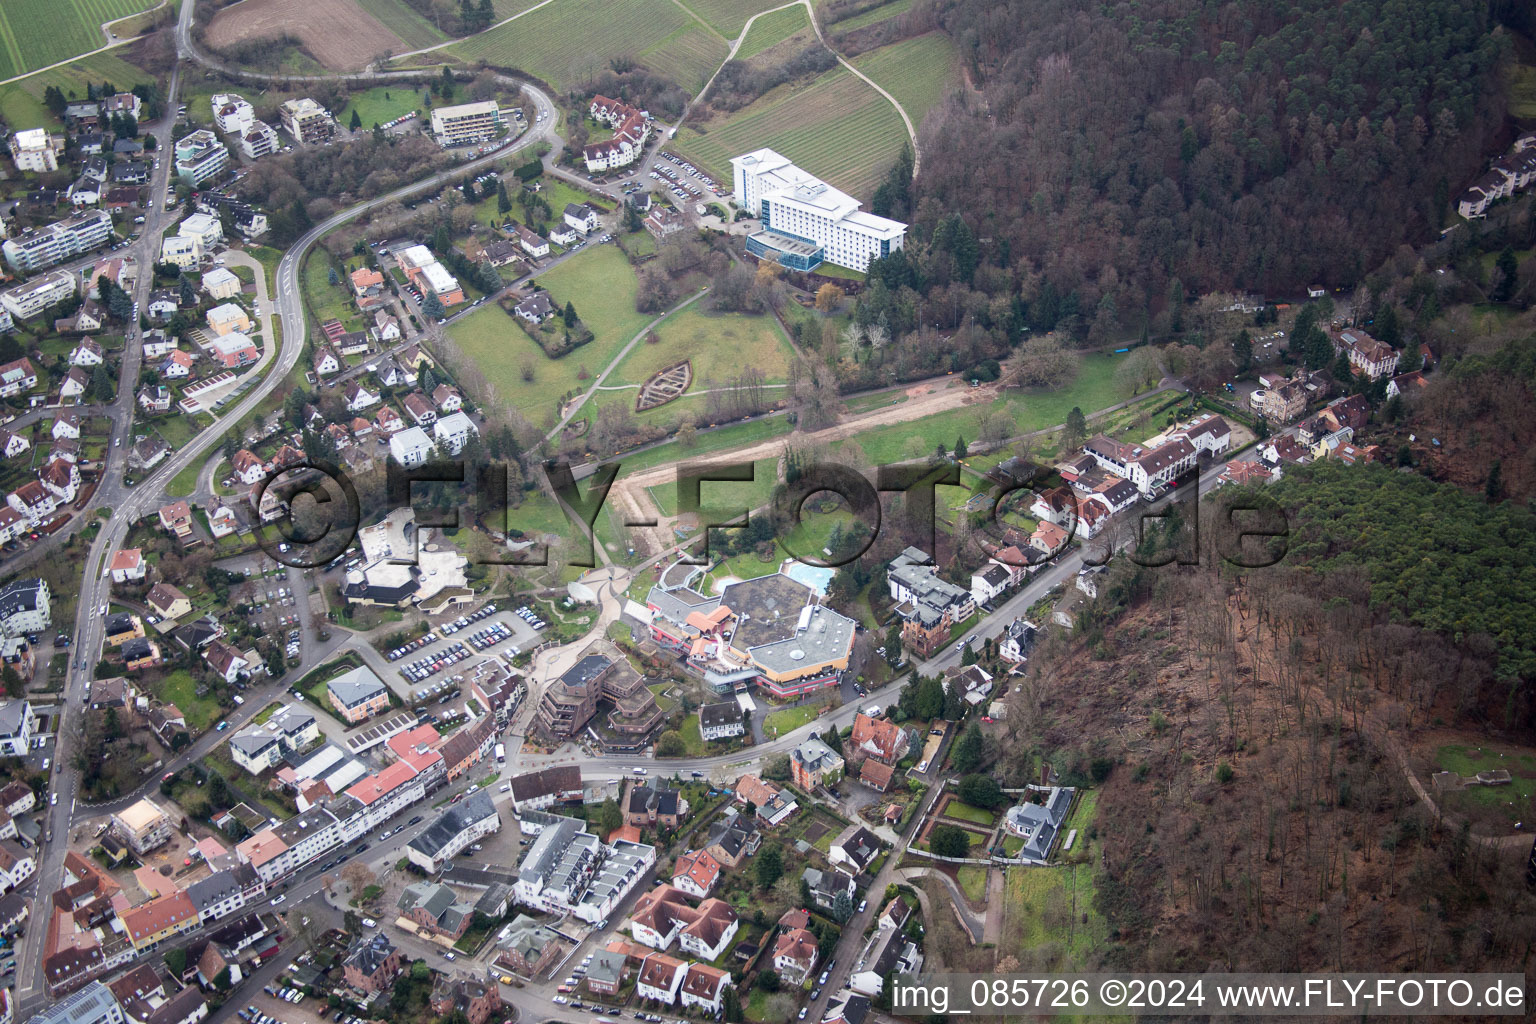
x=130, y=505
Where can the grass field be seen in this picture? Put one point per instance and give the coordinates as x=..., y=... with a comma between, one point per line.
x=725, y=494
x=1046, y=906
x=570, y=40
x=602, y=286
x=837, y=128
x=873, y=15
x=965, y=812
x=36, y=33
x=1521, y=82
x=733, y=436
x=917, y=71
x=1513, y=799
x=21, y=103
x=381, y=104
x=1095, y=388
x=973, y=882
x=772, y=29
x=720, y=346
x=180, y=688
x=781, y=723
x=414, y=31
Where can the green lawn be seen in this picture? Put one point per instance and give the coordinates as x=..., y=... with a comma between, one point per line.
x=719, y=347
x=965, y=812
x=180, y=688
x=36, y=33
x=21, y=103
x=772, y=29
x=733, y=436
x=973, y=882
x=326, y=301
x=836, y=127
x=382, y=103
x=567, y=40
x=916, y=71
x=782, y=723
x=185, y=482
x=601, y=285
x=1468, y=761
x=728, y=495
x=1046, y=906
x=1095, y=388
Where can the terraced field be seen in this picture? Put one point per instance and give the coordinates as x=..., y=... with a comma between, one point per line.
x=917, y=71
x=404, y=21
x=21, y=103
x=772, y=29
x=871, y=16
x=837, y=128
x=569, y=40
x=37, y=33
x=728, y=17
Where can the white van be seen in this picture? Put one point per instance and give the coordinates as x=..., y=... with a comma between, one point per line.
x=873, y=711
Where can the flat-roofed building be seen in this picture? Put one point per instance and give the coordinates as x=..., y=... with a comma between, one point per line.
x=466, y=122
x=805, y=220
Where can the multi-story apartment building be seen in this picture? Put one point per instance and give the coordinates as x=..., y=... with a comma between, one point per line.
x=25, y=607
x=259, y=140
x=466, y=123
x=37, y=248
x=201, y=157
x=143, y=826
x=306, y=120
x=30, y=298
x=358, y=695
x=231, y=113
x=805, y=220
x=929, y=606
x=36, y=150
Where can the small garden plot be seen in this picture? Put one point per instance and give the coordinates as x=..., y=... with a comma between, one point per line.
x=665, y=386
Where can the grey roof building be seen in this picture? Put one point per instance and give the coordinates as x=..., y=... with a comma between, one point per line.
x=92, y=1004
x=454, y=829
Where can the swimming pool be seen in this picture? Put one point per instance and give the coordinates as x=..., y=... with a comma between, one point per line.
x=812, y=576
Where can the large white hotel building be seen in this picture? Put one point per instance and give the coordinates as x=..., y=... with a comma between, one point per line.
x=805, y=220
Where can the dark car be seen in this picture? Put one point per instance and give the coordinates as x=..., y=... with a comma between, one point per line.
x=415, y=821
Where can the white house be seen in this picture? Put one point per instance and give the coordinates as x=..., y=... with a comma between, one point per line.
x=704, y=987
x=221, y=283
x=721, y=721
x=411, y=447
x=205, y=227
x=660, y=977
x=359, y=397
x=18, y=724
x=454, y=431
x=582, y=217
x=87, y=353
x=989, y=581
x=127, y=565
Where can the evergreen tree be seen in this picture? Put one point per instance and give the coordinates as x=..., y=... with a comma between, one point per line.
x=1242, y=351
x=503, y=202
x=447, y=87
x=1494, y=488
x=961, y=451
x=188, y=294
x=569, y=315
x=1076, y=427
x=769, y=866
x=101, y=383
x=356, y=121
x=54, y=100
x=432, y=306
x=120, y=305
x=893, y=644
x=969, y=750
x=332, y=277
x=1508, y=266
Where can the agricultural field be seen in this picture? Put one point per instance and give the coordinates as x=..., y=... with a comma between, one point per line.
x=380, y=104
x=569, y=40
x=729, y=17
x=405, y=22
x=771, y=30
x=340, y=34
x=916, y=71
x=21, y=103
x=872, y=16
x=602, y=286
x=37, y=33
x=838, y=128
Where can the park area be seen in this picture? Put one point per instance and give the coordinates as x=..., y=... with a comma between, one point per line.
x=601, y=285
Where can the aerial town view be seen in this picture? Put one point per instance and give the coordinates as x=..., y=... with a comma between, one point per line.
x=841, y=511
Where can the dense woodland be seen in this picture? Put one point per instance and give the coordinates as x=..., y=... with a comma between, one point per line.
x=1111, y=159
x=1255, y=813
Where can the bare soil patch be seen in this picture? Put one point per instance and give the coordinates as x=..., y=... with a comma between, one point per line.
x=337, y=33
x=664, y=386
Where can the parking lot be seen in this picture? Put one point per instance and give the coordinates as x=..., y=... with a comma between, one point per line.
x=686, y=181
x=271, y=606
x=426, y=663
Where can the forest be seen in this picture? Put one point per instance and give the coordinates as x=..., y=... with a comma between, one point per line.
x=1116, y=157
x=1254, y=812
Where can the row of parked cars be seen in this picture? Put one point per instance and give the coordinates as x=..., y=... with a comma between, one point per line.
x=490, y=636
x=466, y=620
x=432, y=664
x=414, y=645
x=526, y=614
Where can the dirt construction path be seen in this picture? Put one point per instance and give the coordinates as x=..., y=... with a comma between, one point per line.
x=635, y=503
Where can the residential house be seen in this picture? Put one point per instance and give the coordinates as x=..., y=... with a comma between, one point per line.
x=854, y=850
x=166, y=601
x=358, y=397
x=879, y=738
x=827, y=888
x=659, y=978
x=795, y=955
x=813, y=764
x=127, y=565
x=358, y=695
x=771, y=804
x=696, y=873
x=453, y=432
x=704, y=988
x=372, y=964
x=657, y=805
x=721, y=721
